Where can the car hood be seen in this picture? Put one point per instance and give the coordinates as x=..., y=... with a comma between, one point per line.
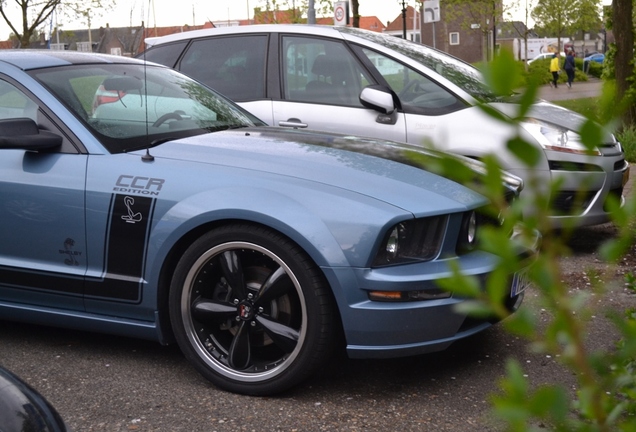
x=386, y=171
x=549, y=113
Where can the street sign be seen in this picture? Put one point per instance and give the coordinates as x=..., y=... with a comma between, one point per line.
x=431, y=11
x=341, y=13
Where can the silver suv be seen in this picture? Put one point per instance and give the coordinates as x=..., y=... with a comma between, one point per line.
x=357, y=82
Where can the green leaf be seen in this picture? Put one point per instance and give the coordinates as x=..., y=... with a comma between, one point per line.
x=530, y=155
x=591, y=135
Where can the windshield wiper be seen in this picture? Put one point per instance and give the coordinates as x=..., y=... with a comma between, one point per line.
x=152, y=144
x=225, y=127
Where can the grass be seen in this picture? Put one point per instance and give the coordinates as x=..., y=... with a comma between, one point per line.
x=585, y=106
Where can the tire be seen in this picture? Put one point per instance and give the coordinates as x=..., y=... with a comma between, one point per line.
x=251, y=311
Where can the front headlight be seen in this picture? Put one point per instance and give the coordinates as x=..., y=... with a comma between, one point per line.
x=556, y=138
x=411, y=241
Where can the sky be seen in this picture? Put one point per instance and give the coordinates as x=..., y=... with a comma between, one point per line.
x=163, y=13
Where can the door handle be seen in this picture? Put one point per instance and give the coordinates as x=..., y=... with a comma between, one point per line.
x=293, y=123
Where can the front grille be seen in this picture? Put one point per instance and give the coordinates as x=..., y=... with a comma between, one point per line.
x=572, y=202
x=573, y=166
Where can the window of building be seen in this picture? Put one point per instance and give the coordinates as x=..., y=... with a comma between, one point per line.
x=454, y=38
x=84, y=46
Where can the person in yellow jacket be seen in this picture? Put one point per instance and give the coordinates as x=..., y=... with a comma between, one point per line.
x=555, y=68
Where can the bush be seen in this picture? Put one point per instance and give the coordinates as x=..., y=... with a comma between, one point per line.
x=594, y=69
x=627, y=137
x=540, y=71
x=604, y=399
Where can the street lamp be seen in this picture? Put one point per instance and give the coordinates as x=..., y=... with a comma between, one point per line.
x=403, y=18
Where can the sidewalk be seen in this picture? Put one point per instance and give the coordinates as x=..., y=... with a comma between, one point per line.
x=580, y=89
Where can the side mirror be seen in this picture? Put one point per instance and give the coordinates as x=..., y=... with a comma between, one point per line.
x=24, y=134
x=378, y=98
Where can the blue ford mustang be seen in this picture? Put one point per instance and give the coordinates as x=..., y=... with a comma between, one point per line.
x=138, y=202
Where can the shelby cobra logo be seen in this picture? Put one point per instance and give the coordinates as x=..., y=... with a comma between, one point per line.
x=69, y=243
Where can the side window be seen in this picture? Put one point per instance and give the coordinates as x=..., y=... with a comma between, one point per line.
x=15, y=104
x=233, y=66
x=166, y=55
x=418, y=94
x=321, y=71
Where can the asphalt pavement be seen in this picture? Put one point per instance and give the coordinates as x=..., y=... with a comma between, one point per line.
x=579, y=90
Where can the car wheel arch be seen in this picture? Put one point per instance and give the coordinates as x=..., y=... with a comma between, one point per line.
x=172, y=255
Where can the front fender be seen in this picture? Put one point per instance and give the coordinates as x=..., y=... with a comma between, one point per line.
x=333, y=226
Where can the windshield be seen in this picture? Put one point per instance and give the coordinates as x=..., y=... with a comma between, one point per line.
x=129, y=106
x=460, y=73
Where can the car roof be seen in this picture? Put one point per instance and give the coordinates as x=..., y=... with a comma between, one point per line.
x=313, y=29
x=26, y=59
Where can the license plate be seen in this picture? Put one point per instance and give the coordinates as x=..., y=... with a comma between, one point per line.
x=626, y=176
x=520, y=282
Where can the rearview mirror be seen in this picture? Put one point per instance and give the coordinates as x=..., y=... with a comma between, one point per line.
x=123, y=84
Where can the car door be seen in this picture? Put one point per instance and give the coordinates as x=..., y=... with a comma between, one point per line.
x=321, y=85
x=431, y=112
x=232, y=65
x=42, y=230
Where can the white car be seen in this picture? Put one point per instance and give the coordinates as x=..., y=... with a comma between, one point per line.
x=358, y=82
x=543, y=56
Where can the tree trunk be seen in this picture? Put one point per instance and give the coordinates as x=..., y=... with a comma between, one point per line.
x=623, y=62
x=356, y=15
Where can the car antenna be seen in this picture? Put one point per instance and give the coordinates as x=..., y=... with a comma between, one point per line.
x=146, y=157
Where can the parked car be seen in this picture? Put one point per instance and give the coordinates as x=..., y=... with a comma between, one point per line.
x=23, y=409
x=352, y=81
x=545, y=55
x=595, y=57
x=138, y=202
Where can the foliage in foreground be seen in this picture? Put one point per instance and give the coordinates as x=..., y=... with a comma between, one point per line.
x=605, y=396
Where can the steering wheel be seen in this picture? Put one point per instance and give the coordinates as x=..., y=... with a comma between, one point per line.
x=415, y=84
x=166, y=117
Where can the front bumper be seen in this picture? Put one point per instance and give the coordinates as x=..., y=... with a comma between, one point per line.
x=586, y=186
x=395, y=329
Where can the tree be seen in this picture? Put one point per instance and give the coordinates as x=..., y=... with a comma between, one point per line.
x=555, y=17
x=587, y=16
x=522, y=31
x=356, y=15
x=35, y=13
x=622, y=24
x=288, y=11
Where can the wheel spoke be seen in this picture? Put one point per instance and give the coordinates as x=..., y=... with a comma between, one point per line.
x=274, y=286
x=240, y=353
x=285, y=337
x=208, y=310
x=233, y=272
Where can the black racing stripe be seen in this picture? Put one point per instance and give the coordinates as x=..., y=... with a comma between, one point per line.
x=18, y=278
x=126, y=241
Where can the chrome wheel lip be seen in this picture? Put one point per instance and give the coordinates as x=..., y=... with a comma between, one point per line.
x=198, y=345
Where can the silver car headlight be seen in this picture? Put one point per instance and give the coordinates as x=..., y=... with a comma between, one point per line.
x=411, y=241
x=553, y=137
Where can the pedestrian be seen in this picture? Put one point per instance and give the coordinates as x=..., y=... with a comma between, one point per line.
x=555, y=68
x=569, y=67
